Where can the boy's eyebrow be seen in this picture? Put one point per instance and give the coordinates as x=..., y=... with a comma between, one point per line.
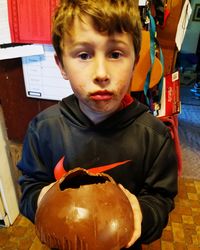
x=81, y=43
x=117, y=41
x=110, y=42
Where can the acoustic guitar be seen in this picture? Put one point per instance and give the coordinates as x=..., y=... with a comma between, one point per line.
x=143, y=66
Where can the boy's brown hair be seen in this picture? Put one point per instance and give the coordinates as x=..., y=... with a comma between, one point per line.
x=110, y=16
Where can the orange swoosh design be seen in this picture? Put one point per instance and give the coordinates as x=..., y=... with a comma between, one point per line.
x=59, y=170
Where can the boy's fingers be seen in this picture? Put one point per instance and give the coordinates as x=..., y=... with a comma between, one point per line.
x=137, y=216
x=43, y=192
x=137, y=229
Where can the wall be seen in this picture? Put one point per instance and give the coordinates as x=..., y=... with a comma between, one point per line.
x=166, y=36
x=17, y=108
x=192, y=34
x=7, y=191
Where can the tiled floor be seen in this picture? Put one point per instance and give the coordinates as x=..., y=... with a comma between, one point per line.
x=181, y=233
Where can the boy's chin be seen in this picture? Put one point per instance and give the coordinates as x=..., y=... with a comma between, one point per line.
x=106, y=107
x=100, y=107
x=100, y=115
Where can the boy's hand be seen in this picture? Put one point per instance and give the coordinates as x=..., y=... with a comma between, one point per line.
x=137, y=216
x=43, y=192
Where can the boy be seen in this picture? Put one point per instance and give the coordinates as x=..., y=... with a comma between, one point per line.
x=97, y=44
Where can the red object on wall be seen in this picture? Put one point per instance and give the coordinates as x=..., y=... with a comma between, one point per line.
x=30, y=20
x=172, y=92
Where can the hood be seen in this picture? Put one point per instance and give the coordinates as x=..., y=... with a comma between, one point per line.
x=70, y=109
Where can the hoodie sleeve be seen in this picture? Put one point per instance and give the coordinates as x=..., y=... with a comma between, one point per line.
x=157, y=196
x=35, y=175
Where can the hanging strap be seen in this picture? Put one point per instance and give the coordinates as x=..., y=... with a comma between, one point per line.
x=153, y=44
x=160, y=83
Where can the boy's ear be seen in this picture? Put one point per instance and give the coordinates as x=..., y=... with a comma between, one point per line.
x=58, y=62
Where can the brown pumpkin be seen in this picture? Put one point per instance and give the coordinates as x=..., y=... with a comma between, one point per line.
x=84, y=211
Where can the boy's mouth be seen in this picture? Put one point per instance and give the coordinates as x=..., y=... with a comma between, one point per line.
x=102, y=95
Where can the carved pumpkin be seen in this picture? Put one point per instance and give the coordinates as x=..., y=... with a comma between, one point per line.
x=84, y=211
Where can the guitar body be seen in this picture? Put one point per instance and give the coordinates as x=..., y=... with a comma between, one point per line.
x=143, y=66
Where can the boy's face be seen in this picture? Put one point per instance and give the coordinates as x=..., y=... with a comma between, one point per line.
x=99, y=67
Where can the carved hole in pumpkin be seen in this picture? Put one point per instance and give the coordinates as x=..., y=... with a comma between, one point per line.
x=80, y=178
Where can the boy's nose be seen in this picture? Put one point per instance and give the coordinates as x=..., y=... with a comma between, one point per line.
x=101, y=76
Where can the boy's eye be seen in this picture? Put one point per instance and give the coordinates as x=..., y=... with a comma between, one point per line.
x=84, y=56
x=115, y=54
